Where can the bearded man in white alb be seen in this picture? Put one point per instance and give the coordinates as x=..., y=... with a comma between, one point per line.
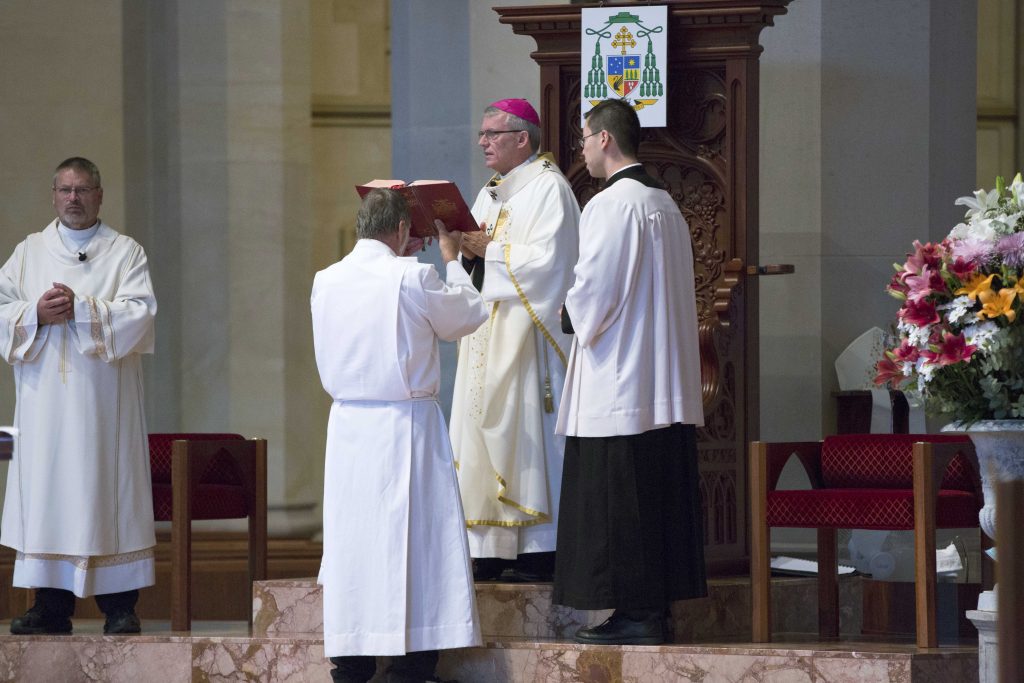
x=77, y=308
x=511, y=370
x=395, y=569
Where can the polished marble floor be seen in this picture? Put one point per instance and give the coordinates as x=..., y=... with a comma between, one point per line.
x=527, y=640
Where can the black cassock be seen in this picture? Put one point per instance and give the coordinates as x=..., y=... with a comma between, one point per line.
x=630, y=530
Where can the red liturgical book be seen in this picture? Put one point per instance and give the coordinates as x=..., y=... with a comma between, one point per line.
x=429, y=199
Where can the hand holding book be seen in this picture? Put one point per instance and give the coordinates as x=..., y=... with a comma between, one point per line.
x=449, y=241
x=476, y=242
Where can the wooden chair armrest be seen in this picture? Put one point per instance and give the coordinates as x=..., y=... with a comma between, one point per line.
x=936, y=456
x=769, y=458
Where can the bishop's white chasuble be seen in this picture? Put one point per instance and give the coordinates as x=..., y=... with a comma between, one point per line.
x=511, y=370
x=79, y=503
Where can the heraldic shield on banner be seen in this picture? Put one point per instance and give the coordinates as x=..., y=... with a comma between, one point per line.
x=623, y=73
x=621, y=53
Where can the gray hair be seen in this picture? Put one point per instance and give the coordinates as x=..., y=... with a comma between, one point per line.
x=381, y=212
x=79, y=164
x=516, y=123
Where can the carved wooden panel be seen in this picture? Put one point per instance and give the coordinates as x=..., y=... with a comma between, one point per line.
x=707, y=158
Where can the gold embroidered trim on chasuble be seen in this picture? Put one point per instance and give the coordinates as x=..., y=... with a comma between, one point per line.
x=480, y=339
x=20, y=335
x=63, y=367
x=96, y=326
x=540, y=517
x=86, y=562
x=529, y=309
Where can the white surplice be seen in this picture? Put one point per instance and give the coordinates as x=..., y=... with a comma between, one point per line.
x=79, y=503
x=634, y=364
x=395, y=568
x=509, y=458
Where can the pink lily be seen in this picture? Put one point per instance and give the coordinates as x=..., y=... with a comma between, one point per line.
x=952, y=349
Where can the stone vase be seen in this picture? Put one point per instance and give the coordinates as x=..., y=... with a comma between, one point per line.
x=1000, y=448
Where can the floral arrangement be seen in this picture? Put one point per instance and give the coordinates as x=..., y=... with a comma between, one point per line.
x=960, y=331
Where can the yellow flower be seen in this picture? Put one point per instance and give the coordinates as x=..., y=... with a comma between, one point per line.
x=994, y=305
x=977, y=285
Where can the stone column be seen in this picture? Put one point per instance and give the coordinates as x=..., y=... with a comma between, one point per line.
x=224, y=96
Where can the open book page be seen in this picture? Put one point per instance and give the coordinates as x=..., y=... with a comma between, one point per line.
x=429, y=200
x=393, y=184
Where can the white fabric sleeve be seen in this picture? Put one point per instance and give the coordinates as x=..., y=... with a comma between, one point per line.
x=123, y=325
x=21, y=335
x=609, y=256
x=454, y=309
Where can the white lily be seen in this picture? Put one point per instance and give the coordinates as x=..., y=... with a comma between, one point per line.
x=1017, y=190
x=981, y=202
x=1011, y=220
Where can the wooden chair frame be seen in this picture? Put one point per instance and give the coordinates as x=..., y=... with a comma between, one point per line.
x=1010, y=568
x=766, y=463
x=187, y=458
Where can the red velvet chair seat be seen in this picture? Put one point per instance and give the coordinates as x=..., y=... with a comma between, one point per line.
x=889, y=509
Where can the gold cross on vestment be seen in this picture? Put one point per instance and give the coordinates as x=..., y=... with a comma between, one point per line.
x=622, y=39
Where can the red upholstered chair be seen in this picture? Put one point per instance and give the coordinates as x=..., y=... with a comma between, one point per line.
x=862, y=481
x=208, y=476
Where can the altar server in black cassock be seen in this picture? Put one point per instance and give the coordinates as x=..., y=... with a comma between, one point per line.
x=630, y=521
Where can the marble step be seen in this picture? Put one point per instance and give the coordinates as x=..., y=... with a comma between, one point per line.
x=212, y=651
x=560, y=662
x=225, y=653
x=520, y=610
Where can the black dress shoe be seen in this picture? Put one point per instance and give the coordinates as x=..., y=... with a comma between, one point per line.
x=621, y=630
x=489, y=568
x=122, y=622
x=517, y=575
x=37, y=622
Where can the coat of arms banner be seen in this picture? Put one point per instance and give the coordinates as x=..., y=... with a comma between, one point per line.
x=622, y=53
